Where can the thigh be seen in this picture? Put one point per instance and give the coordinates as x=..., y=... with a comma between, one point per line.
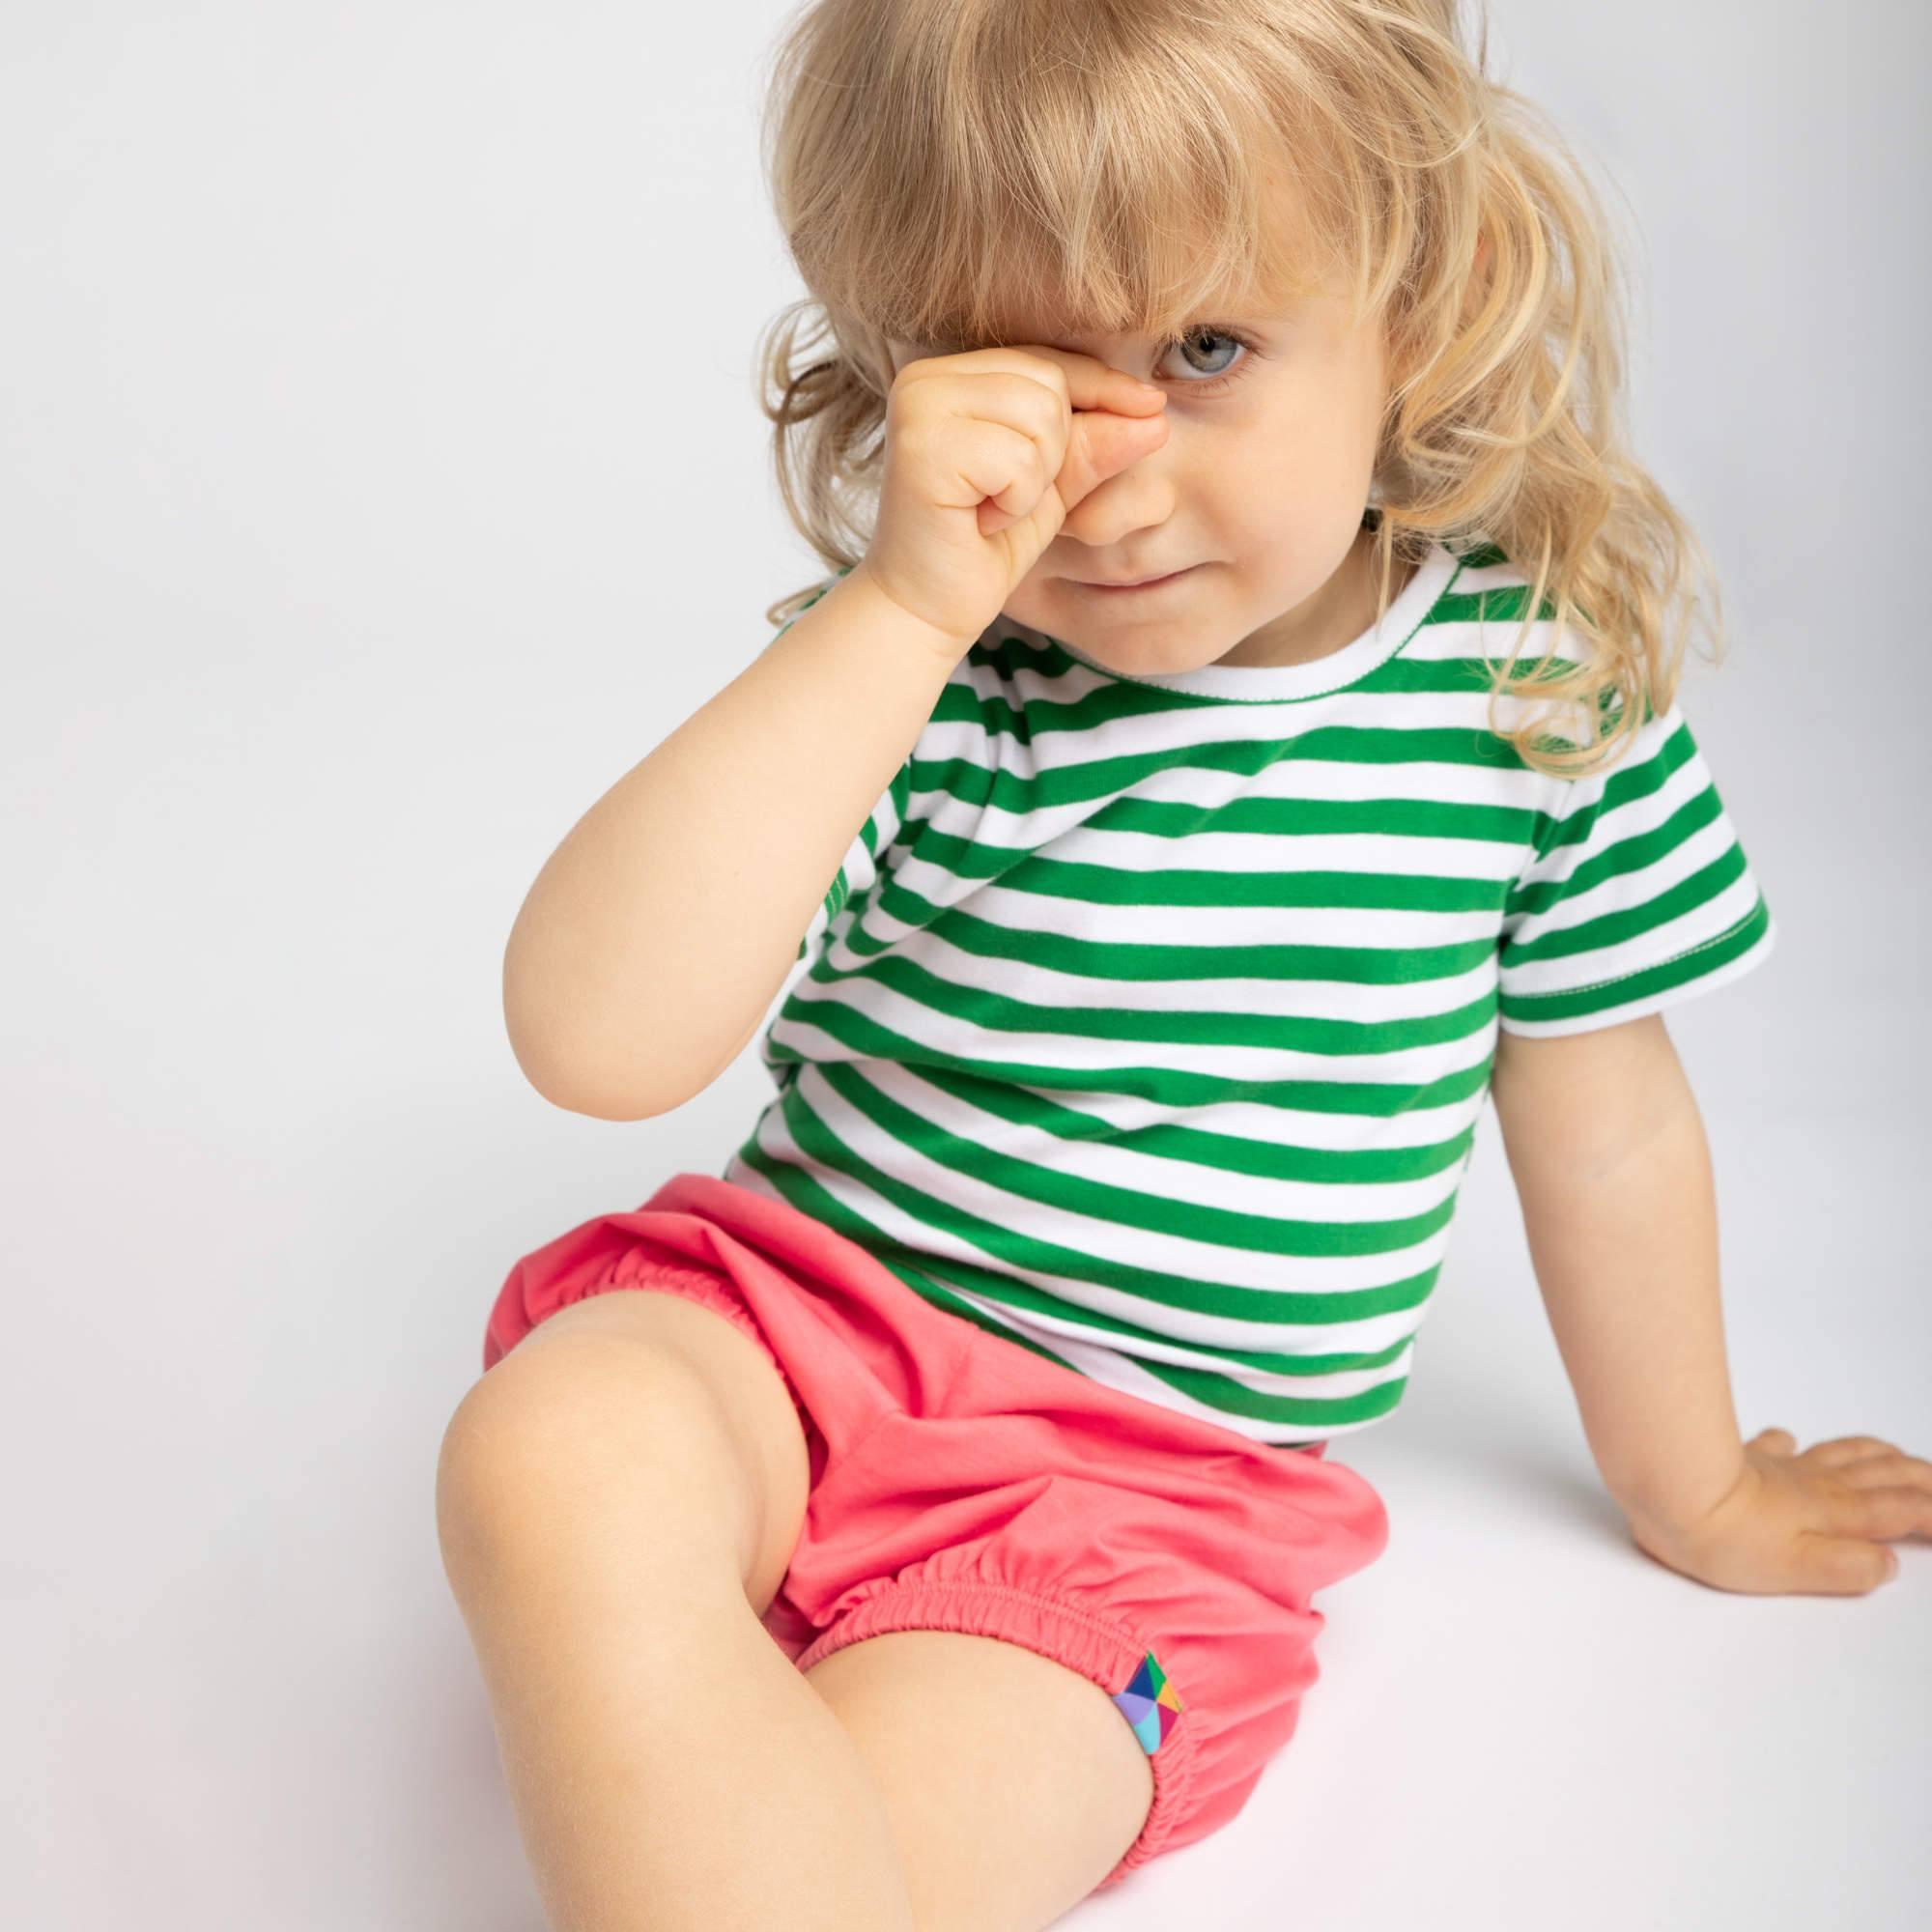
x=661, y=1384
x=1012, y=1783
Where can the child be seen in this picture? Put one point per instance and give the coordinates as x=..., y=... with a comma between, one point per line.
x=916, y=1525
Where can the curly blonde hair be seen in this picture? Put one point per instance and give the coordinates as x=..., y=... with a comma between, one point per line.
x=936, y=163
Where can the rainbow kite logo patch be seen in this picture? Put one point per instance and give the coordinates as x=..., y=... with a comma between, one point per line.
x=1151, y=1704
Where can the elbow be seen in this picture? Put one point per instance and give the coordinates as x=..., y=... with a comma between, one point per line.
x=584, y=1070
x=596, y=1106
x=555, y=1058
x=579, y=1096
x=575, y=1080
x=560, y=1078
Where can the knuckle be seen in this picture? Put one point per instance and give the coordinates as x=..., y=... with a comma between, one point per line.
x=1050, y=371
x=1044, y=409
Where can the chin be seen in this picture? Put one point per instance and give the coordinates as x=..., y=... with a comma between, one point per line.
x=1161, y=658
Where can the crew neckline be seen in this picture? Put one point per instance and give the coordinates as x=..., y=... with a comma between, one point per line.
x=1439, y=569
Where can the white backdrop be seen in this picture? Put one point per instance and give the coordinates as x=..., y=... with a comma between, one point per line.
x=380, y=479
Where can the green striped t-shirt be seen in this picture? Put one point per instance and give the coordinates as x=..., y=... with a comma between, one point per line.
x=1149, y=1019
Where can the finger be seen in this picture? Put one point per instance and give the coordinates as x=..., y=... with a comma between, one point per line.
x=1844, y=1449
x=1886, y=1513
x=1775, y=1441
x=1898, y=1467
x=1841, y=1566
x=1089, y=382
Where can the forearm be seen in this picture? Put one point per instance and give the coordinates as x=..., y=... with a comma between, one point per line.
x=1626, y=1259
x=660, y=928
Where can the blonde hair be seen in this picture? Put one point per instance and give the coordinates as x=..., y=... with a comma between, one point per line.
x=937, y=164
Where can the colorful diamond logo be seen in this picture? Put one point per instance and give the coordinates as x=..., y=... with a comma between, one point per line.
x=1151, y=1704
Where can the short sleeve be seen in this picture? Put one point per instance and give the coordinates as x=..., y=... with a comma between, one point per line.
x=1635, y=896
x=858, y=871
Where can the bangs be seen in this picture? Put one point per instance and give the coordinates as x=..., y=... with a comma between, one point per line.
x=1148, y=240
x=1181, y=265
x=1084, y=171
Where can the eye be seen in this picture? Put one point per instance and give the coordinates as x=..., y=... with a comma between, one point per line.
x=1219, y=379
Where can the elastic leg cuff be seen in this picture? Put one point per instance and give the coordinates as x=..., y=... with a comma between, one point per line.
x=1117, y=1658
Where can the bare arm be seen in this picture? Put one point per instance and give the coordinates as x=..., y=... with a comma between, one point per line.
x=1607, y=1150
x=658, y=933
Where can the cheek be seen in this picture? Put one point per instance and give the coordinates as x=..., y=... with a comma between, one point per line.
x=1319, y=455
x=1275, y=467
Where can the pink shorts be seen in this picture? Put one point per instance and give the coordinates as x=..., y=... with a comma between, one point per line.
x=961, y=1481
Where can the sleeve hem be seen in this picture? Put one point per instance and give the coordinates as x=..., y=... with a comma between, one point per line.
x=1666, y=984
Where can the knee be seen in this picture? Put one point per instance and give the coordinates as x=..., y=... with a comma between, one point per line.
x=566, y=1440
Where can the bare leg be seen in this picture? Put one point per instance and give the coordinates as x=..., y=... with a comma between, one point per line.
x=670, y=1769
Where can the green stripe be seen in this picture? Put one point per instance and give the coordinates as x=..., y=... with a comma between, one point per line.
x=1166, y=1025
x=1233, y=1398
x=1309, y=818
x=1093, y=884
x=1168, y=1087
x=1268, y=1160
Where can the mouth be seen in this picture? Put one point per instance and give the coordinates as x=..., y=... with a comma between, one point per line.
x=1129, y=589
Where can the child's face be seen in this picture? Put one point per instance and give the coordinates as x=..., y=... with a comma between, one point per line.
x=1258, y=494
